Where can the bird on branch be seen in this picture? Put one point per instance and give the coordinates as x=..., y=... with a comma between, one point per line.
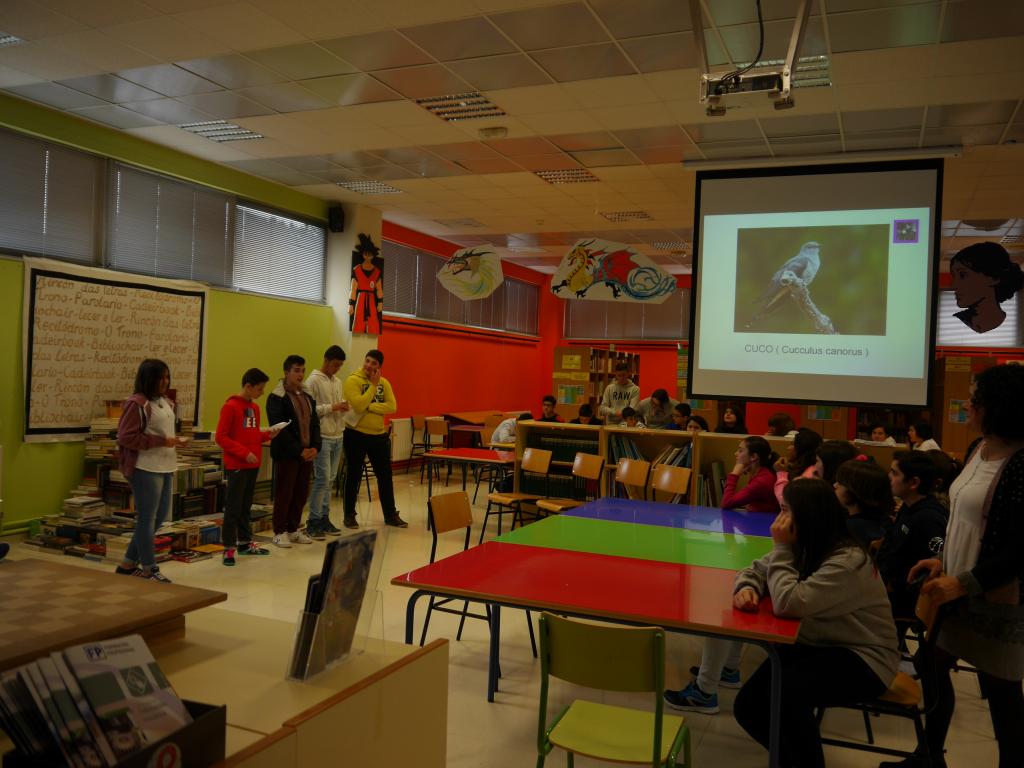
x=801, y=269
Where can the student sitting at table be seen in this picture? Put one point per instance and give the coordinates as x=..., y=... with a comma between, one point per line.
x=731, y=421
x=547, y=410
x=863, y=489
x=505, y=432
x=586, y=416
x=656, y=411
x=754, y=457
x=831, y=454
x=696, y=423
x=781, y=425
x=799, y=460
x=880, y=434
x=846, y=648
x=631, y=419
x=680, y=415
x=921, y=437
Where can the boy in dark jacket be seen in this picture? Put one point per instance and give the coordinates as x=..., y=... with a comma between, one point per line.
x=293, y=451
x=917, y=533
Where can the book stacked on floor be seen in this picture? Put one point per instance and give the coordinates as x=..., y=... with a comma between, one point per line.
x=85, y=508
x=92, y=705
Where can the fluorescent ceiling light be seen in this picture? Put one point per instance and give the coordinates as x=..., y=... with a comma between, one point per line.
x=840, y=157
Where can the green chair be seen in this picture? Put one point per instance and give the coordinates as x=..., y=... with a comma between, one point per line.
x=625, y=659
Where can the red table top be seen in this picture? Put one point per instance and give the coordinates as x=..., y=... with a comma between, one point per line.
x=482, y=455
x=668, y=595
x=466, y=428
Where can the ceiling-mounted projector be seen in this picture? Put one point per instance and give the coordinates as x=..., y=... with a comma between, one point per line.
x=745, y=88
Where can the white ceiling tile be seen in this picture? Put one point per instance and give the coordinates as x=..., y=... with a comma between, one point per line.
x=97, y=49
x=9, y=76
x=167, y=39
x=553, y=123
x=240, y=26
x=437, y=133
x=37, y=60
x=102, y=12
x=177, y=6
x=975, y=57
x=611, y=91
x=534, y=99
x=634, y=116
x=321, y=19
x=884, y=66
x=391, y=114
x=30, y=21
x=173, y=136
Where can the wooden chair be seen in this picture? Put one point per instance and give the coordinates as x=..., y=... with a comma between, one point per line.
x=586, y=473
x=536, y=461
x=904, y=698
x=437, y=428
x=451, y=512
x=609, y=658
x=419, y=442
x=632, y=475
x=489, y=472
x=667, y=478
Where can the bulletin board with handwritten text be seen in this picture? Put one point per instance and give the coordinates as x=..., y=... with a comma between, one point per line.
x=86, y=331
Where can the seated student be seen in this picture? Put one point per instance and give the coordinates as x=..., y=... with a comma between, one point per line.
x=830, y=455
x=921, y=437
x=731, y=421
x=696, y=423
x=863, y=489
x=656, y=411
x=880, y=434
x=586, y=416
x=846, y=649
x=799, y=461
x=948, y=469
x=630, y=419
x=547, y=410
x=917, y=533
x=754, y=456
x=680, y=415
x=505, y=432
x=781, y=425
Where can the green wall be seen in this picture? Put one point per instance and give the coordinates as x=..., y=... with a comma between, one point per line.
x=243, y=331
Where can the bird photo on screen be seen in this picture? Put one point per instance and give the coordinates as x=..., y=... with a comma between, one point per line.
x=803, y=267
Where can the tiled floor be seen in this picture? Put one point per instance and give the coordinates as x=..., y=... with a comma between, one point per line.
x=504, y=733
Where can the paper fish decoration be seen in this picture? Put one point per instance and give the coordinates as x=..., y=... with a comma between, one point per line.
x=606, y=271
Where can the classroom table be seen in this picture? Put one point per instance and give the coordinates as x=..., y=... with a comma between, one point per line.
x=465, y=457
x=470, y=434
x=470, y=417
x=645, y=542
x=692, y=518
x=686, y=598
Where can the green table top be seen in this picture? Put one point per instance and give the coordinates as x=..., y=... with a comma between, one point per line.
x=645, y=542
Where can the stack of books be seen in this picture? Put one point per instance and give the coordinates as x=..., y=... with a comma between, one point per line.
x=102, y=439
x=92, y=705
x=83, y=508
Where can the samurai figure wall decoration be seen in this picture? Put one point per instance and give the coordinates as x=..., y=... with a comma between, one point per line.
x=606, y=271
x=366, y=303
x=472, y=273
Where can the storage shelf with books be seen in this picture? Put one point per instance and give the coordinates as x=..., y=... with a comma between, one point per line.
x=581, y=375
x=564, y=441
x=713, y=458
x=658, y=446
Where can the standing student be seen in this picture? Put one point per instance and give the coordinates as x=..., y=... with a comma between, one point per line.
x=656, y=411
x=293, y=451
x=679, y=417
x=846, y=649
x=922, y=437
x=240, y=437
x=980, y=576
x=863, y=489
x=371, y=398
x=324, y=386
x=754, y=457
x=731, y=421
x=619, y=394
x=547, y=410
x=147, y=459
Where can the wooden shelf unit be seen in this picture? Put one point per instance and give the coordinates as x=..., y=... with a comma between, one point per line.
x=721, y=447
x=564, y=441
x=649, y=442
x=581, y=375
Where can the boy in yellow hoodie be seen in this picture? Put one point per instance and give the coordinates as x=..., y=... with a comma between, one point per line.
x=370, y=399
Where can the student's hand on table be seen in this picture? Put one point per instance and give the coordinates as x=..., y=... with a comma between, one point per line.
x=931, y=567
x=746, y=600
x=251, y=459
x=782, y=529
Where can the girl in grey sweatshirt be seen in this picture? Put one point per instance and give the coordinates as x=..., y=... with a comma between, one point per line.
x=846, y=648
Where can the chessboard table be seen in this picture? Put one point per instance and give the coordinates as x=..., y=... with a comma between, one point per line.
x=49, y=606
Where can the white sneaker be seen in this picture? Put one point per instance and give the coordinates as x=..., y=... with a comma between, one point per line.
x=299, y=537
x=281, y=540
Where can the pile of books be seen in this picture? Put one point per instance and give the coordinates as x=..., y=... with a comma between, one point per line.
x=83, y=508
x=101, y=441
x=92, y=705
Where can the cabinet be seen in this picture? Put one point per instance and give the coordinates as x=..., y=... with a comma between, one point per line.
x=581, y=375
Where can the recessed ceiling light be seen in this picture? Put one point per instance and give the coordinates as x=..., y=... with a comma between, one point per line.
x=220, y=131
x=1012, y=240
x=6, y=39
x=672, y=245
x=461, y=106
x=570, y=176
x=620, y=216
x=369, y=187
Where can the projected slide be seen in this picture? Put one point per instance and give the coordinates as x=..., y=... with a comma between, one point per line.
x=818, y=304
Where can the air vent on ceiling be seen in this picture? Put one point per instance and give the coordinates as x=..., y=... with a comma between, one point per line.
x=461, y=106
x=620, y=216
x=570, y=176
x=672, y=245
x=369, y=187
x=220, y=130
x=1012, y=240
x=459, y=223
x=6, y=40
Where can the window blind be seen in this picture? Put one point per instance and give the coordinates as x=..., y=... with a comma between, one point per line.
x=669, y=320
x=279, y=255
x=953, y=333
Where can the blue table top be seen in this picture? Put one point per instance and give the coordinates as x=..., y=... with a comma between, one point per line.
x=676, y=516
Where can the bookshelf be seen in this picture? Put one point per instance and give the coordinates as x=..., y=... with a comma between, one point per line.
x=715, y=447
x=581, y=375
x=646, y=444
x=564, y=441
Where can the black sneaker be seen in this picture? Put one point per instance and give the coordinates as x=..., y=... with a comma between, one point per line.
x=330, y=529
x=229, y=557
x=154, y=575
x=315, y=532
x=133, y=571
x=395, y=521
x=350, y=522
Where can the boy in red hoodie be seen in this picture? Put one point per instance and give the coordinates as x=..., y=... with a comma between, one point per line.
x=239, y=434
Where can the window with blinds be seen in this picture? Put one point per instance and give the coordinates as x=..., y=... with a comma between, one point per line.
x=952, y=332
x=165, y=228
x=411, y=288
x=49, y=199
x=669, y=320
x=279, y=255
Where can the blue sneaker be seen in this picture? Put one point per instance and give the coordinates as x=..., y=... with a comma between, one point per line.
x=693, y=699
x=730, y=678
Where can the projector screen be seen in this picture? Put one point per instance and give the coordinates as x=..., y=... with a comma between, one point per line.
x=816, y=284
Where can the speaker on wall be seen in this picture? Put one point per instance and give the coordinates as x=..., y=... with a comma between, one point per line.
x=336, y=218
